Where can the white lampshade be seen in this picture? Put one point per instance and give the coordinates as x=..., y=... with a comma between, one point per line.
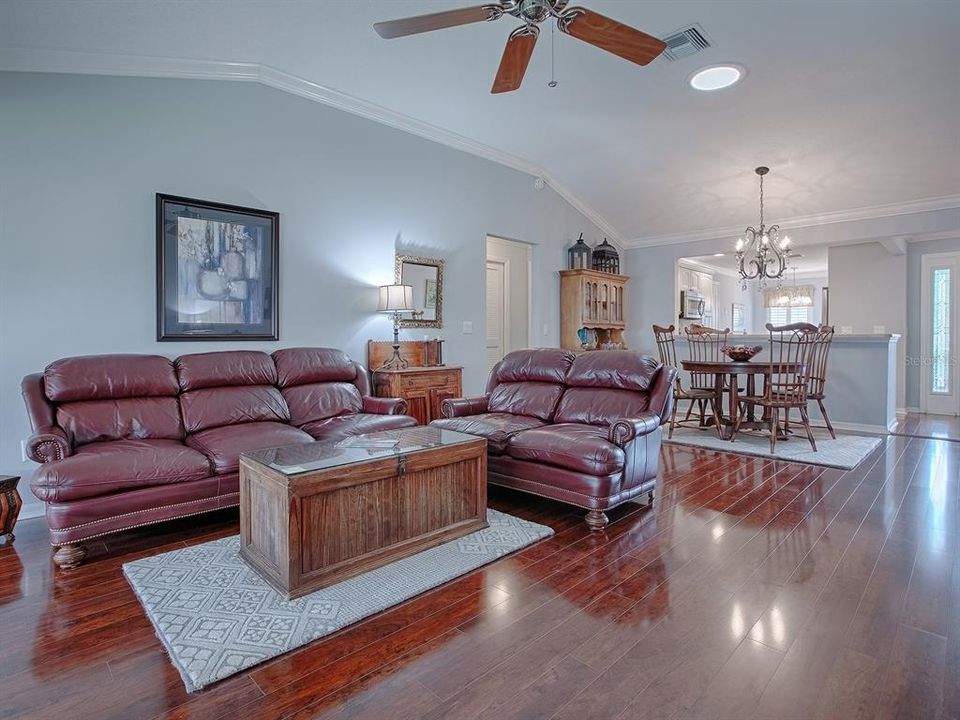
x=395, y=298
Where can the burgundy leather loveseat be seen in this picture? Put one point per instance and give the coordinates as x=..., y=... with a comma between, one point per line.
x=130, y=440
x=583, y=429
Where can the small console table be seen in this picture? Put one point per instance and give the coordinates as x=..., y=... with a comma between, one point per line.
x=10, y=504
x=423, y=385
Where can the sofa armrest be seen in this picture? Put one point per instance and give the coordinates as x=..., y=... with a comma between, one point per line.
x=48, y=446
x=48, y=442
x=384, y=406
x=661, y=394
x=460, y=407
x=624, y=430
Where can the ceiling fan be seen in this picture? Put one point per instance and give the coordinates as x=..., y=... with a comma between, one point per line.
x=583, y=24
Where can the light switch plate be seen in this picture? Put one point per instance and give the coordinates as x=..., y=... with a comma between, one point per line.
x=467, y=327
x=879, y=329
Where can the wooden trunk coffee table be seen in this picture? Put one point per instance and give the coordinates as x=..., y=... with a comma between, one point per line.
x=315, y=514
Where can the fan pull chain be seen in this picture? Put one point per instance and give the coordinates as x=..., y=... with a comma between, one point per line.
x=553, y=81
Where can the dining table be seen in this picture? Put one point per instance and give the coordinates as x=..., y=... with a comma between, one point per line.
x=726, y=377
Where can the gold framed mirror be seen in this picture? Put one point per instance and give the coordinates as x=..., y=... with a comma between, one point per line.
x=425, y=276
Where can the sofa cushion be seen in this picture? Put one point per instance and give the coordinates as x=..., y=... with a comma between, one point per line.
x=103, y=468
x=223, y=445
x=599, y=406
x=212, y=407
x=233, y=367
x=620, y=369
x=301, y=366
x=533, y=399
x=319, y=401
x=102, y=377
x=582, y=448
x=548, y=365
x=495, y=427
x=140, y=418
x=356, y=424
x=603, y=387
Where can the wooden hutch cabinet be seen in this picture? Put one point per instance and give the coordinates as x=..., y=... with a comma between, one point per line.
x=594, y=301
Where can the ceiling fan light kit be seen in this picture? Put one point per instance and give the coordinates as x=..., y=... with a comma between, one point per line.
x=717, y=77
x=578, y=22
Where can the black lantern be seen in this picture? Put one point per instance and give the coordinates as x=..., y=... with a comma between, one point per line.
x=606, y=259
x=579, y=255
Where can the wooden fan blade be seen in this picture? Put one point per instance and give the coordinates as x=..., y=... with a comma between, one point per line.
x=610, y=35
x=516, y=57
x=436, y=21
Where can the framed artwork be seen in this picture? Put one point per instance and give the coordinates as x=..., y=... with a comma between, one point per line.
x=430, y=295
x=217, y=271
x=737, y=318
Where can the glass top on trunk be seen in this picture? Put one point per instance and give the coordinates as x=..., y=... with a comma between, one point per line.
x=326, y=454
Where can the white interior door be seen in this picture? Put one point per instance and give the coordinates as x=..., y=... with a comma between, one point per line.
x=509, y=273
x=497, y=317
x=940, y=393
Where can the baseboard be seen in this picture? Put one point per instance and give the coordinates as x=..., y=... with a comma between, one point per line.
x=865, y=428
x=912, y=410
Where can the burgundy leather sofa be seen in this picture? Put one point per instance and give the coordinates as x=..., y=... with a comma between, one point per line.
x=583, y=429
x=131, y=440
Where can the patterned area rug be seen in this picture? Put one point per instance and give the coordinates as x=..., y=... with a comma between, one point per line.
x=846, y=452
x=216, y=616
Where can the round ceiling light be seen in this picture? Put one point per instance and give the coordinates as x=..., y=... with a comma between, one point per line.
x=716, y=77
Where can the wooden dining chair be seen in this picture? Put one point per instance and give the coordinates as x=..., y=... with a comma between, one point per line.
x=820, y=338
x=706, y=345
x=787, y=383
x=817, y=372
x=667, y=347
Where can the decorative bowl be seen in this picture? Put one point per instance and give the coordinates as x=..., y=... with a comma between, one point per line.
x=741, y=353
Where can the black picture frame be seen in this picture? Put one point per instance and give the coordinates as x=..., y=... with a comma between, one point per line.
x=218, y=271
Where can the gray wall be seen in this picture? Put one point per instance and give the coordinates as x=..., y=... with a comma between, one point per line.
x=868, y=288
x=915, y=252
x=80, y=161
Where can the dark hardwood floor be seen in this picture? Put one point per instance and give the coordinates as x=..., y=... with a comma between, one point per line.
x=752, y=589
x=932, y=426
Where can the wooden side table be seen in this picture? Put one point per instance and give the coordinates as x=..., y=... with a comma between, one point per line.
x=424, y=388
x=10, y=504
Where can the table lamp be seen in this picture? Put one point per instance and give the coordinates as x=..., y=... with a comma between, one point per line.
x=395, y=299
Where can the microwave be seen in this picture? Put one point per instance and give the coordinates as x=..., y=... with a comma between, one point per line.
x=692, y=305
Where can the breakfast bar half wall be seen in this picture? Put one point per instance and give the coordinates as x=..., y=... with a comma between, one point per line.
x=861, y=388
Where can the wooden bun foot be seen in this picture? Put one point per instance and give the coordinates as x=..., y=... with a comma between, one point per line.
x=597, y=520
x=69, y=556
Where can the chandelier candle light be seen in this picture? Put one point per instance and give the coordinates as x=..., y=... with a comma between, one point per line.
x=761, y=254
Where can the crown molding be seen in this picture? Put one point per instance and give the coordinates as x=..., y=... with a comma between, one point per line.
x=85, y=63
x=911, y=207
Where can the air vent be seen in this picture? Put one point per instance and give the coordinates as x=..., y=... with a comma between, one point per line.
x=684, y=42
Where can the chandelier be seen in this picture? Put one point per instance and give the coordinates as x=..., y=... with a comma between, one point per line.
x=761, y=254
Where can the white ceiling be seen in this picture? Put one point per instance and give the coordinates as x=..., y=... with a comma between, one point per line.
x=852, y=103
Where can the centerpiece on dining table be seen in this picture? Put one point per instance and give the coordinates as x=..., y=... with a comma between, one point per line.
x=741, y=353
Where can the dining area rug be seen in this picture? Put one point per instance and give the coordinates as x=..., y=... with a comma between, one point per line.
x=216, y=616
x=845, y=453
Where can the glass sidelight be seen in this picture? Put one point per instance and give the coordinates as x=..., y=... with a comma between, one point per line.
x=940, y=389
x=940, y=331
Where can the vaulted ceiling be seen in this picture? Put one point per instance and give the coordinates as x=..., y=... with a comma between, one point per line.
x=851, y=103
